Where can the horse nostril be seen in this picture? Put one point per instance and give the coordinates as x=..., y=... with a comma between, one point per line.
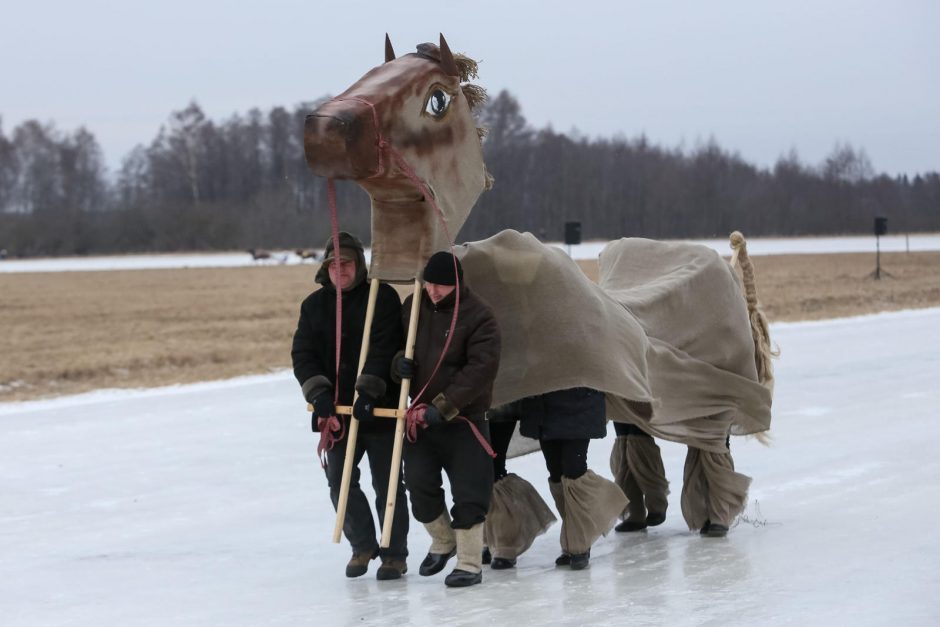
x=336, y=145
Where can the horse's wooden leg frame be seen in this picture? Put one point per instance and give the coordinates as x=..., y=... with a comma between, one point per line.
x=400, y=423
x=353, y=433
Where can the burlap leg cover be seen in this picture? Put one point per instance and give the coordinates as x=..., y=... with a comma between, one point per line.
x=620, y=468
x=558, y=495
x=517, y=516
x=592, y=506
x=646, y=467
x=470, y=548
x=711, y=489
x=443, y=539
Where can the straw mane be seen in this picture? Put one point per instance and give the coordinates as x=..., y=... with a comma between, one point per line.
x=476, y=96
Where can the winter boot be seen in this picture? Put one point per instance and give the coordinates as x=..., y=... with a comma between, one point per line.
x=391, y=568
x=502, y=563
x=469, y=551
x=487, y=556
x=443, y=545
x=359, y=563
x=654, y=519
x=579, y=561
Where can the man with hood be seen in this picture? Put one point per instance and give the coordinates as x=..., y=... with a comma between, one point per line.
x=457, y=395
x=314, y=358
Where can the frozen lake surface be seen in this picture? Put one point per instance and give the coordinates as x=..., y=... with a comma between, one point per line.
x=205, y=505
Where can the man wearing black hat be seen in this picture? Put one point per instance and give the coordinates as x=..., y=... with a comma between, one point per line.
x=462, y=386
x=314, y=356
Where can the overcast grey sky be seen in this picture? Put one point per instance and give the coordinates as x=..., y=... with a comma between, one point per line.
x=762, y=78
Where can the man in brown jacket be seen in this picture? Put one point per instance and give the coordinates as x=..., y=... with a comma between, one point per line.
x=457, y=397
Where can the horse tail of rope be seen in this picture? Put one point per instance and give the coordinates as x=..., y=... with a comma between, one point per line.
x=760, y=329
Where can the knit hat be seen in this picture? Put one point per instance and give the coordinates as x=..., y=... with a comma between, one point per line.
x=440, y=269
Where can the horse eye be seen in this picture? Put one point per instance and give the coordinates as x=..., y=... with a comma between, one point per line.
x=437, y=103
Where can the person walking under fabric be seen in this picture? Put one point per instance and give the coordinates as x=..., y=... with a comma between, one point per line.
x=564, y=422
x=637, y=465
x=314, y=357
x=460, y=391
x=518, y=514
x=713, y=494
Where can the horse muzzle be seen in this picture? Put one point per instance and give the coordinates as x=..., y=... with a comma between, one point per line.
x=340, y=141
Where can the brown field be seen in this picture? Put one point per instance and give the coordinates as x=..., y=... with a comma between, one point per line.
x=71, y=332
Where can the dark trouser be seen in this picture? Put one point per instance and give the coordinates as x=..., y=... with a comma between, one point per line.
x=500, y=435
x=453, y=448
x=359, y=526
x=566, y=458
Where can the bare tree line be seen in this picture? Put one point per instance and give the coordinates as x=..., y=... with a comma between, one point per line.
x=243, y=183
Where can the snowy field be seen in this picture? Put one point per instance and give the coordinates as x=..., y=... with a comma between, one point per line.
x=588, y=250
x=205, y=505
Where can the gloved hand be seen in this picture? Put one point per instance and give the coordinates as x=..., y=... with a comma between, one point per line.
x=404, y=368
x=432, y=416
x=323, y=405
x=364, y=408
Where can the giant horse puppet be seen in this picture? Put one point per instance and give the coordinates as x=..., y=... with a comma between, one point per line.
x=666, y=333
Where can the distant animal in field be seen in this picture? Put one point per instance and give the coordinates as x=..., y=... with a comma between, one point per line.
x=307, y=253
x=258, y=254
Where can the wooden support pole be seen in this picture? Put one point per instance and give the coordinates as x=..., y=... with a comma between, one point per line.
x=353, y=432
x=400, y=426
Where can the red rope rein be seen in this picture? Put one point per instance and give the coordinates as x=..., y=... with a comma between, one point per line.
x=332, y=429
x=414, y=420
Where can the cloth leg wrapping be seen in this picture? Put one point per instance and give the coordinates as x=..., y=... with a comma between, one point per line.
x=711, y=489
x=646, y=467
x=620, y=468
x=592, y=506
x=517, y=516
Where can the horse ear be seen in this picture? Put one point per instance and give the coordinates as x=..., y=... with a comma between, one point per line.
x=389, y=51
x=447, y=59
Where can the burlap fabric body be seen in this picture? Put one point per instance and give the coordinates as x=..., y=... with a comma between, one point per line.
x=701, y=361
x=637, y=466
x=665, y=334
x=517, y=516
x=559, y=329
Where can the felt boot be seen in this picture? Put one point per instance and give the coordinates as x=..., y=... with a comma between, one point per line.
x=443, y=545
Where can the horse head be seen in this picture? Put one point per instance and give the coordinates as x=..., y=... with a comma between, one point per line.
x=409, y=119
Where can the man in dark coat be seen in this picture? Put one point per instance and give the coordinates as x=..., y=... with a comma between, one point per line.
x=314, y=358
x=459, y=394
x=564, y=422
